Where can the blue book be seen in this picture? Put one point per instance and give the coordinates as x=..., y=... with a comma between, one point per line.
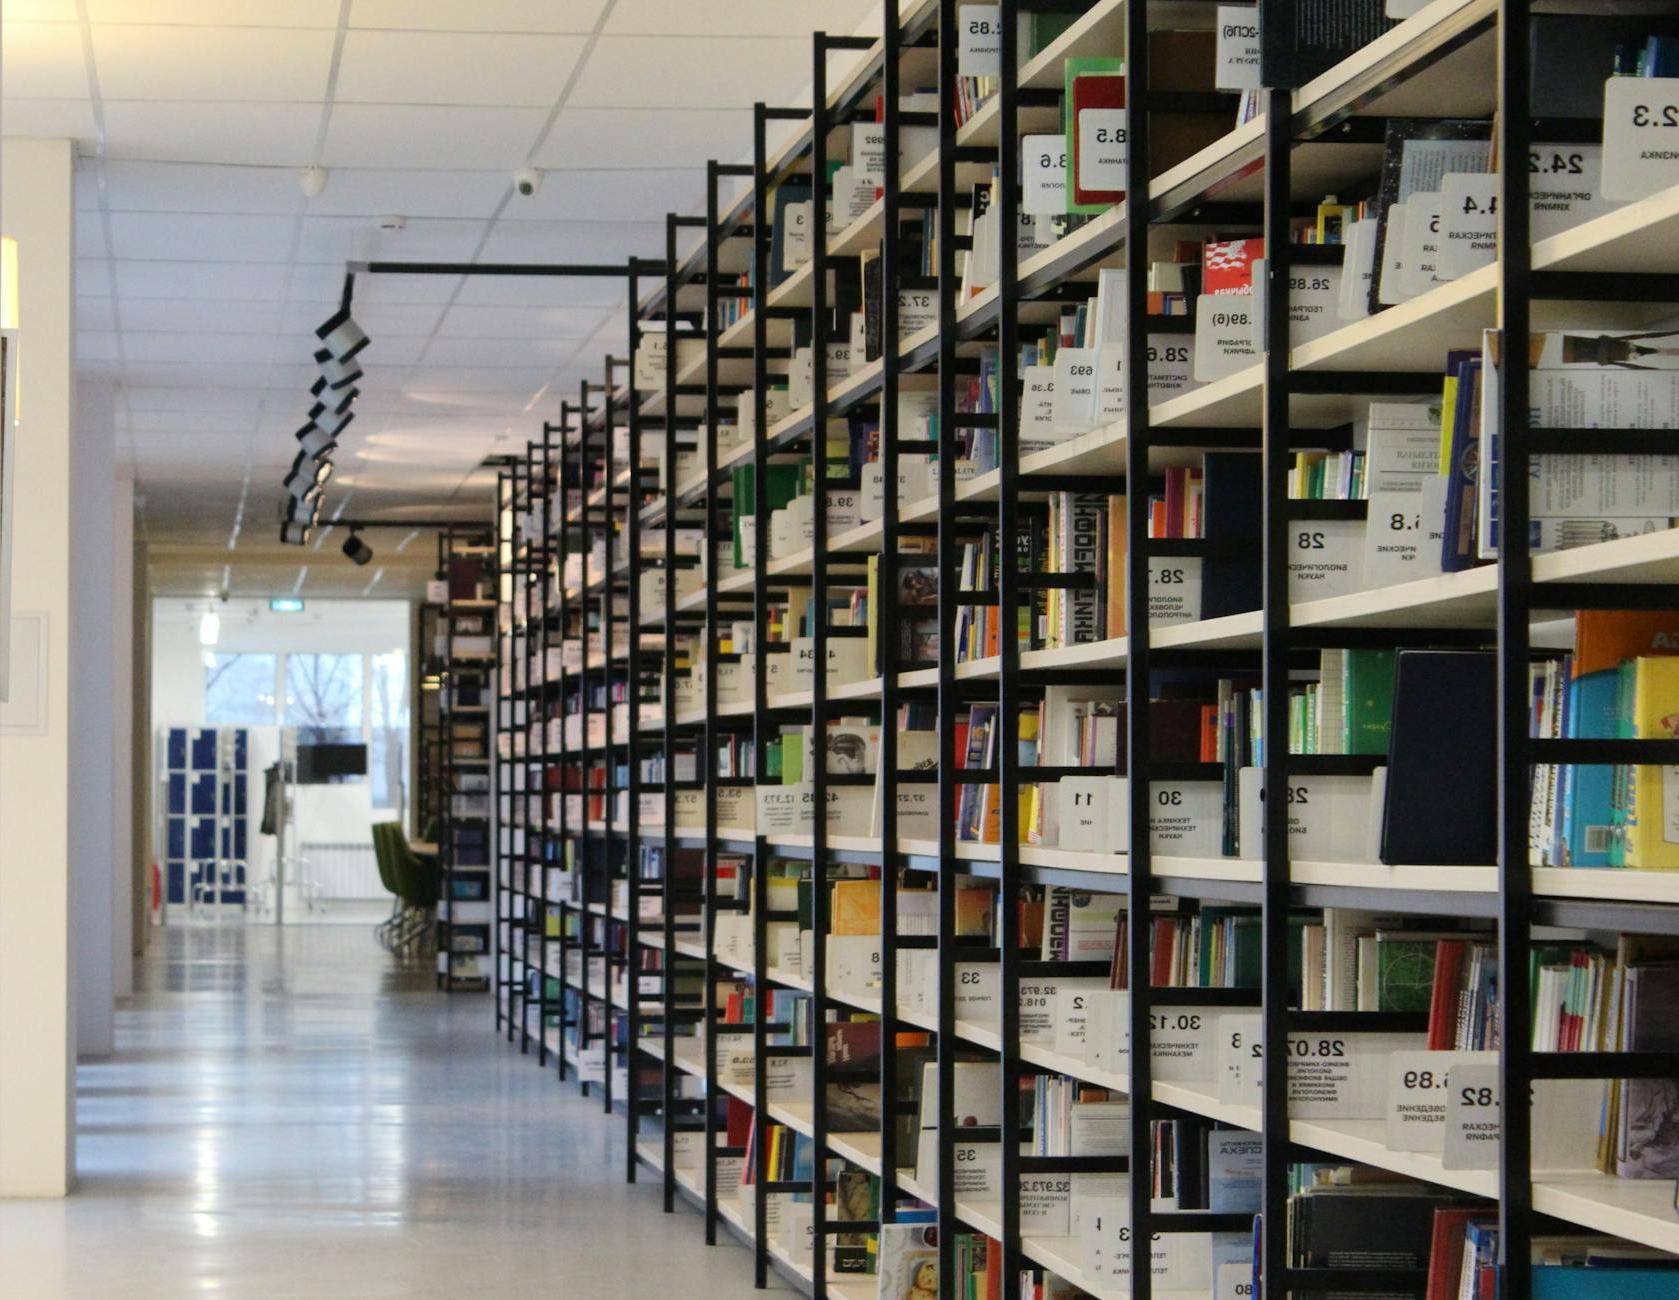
x=1587, y=795
x=1631, y=1282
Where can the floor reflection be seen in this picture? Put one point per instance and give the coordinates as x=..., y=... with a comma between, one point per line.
x=293, y=1113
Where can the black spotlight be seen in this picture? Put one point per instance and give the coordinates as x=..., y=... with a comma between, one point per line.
x=358, y=551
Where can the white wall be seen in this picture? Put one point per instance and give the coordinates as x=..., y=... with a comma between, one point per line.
x=37, y=1035
x=123, y=848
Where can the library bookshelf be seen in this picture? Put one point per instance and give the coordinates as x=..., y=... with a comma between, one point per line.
x=649, y=647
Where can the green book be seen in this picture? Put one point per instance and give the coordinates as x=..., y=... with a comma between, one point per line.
x=781, y=485
x=1404, y=972
x=1367, y=701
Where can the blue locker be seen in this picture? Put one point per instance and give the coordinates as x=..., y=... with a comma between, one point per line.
x=177, y=746
x=176, y=846
x=204, y=795
x=203, y=839
x=176, y=879
x=177, y=798
x=204, y=750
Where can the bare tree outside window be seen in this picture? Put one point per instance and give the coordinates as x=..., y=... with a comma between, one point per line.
x=239, y=690
x=323, y=698
x=387, y=706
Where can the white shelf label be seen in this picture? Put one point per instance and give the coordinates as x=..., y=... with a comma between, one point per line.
x=1417, y=1093
x=918, y=309
x=1472, y=1125
x=1043, y=174
x=1239, y=1058
x=1468, y=222
x=1223, y=335
x=1174, y=590
x=1236, y=51
x=1565, y=187
x=1075, y=390
x=1420, y=252
x=1234, y=1282
x=1104, y=146
x=979, y=40
x=1326, y=558
x=1404, y=534
x=1640, y=136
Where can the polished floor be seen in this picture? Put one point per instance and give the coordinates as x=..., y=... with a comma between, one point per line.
x=292, y=1113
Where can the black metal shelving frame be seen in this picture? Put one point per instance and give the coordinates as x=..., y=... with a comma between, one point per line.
x=1277, y=430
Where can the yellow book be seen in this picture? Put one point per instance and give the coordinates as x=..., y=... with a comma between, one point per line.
x=1448, y=421
x=856, y=907
x=1653, y=811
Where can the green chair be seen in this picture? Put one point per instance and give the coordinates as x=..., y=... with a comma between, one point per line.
x=383, y=854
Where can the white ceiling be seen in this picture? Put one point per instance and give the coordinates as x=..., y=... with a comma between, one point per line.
x=202, y=269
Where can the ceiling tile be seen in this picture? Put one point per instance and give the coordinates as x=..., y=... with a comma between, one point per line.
x=41, y=11
x=573, y=241
x=373, y=192
x=381, y=67
x=43, y=61
x=696, y=72
x=405, y=290
x=217, y=349
x=479, y=15
x=519, y=322
x=268, y=134
x=55, y=118
x=542, y=291
x=638, y=137
x=97, y=345
x=199, y=187
x=610, y=195
x=200, y=237
x=209, y=280
x=737, y=17
x=95, y=313
x=231, y=13
x=380, y=320
x=90, y=235
x=185, y=315
x=211, y=63
x=499, y=352
x=429, y=239
x=375, y=135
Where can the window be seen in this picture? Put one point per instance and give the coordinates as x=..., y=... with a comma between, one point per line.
x=324, y=698
x=239, y=690
x=387, y=708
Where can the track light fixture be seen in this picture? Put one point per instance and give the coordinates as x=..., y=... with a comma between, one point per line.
x=341, y=335
x=333, y=416
x=306, y=476
x=357, y=550
x=316, y=441
x=337, y=374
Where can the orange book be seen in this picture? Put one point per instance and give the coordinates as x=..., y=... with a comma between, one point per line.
x=1604, y=637
x=856, y=907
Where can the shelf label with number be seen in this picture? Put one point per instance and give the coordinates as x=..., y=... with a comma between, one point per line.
x=1236, y=50
x=977, y=988
x=1328, y=816
x=1174, y=589
x=1104, y=145
x=1565, y=187
x=1234, y=1282
x=1404, y=534
x=1171, y=365
x=1043, y=174
x=868, y=152
x=1420, y=254
x=1073, y=1009
x=1237, y=1069
x=1314, y=303
x=1183, y=1041
x=1224, y=339
x=1075, y=390
x=1468, y=222
x=1417, y=1095
x=1037, y=410
x=1037, y=1012
x=1472, y=1128
x=1186, y=818
x=979, y=40
x=1341, y=1076
x=918, y=309
x=1326, y=558
x=1640, y=136
x=1110, y=382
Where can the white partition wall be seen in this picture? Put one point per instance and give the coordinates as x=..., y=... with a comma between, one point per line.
x=37, y=800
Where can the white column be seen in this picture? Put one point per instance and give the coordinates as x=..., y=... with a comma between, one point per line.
x=93, y=703
x=37, y=1035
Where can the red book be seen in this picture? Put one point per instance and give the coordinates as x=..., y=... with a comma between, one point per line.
x=1160, y=965
x=1176, y=478
x=1445, y=1249
x=1442, y=1006
x=739, y=1122
x=1096, y=91
x=1209, y=733
x=1227, y=265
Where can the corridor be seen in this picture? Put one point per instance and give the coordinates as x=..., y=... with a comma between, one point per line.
x=291, y=1113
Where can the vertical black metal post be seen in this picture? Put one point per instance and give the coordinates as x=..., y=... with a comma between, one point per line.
x=1274, y=675
x=1515, y=598
x=667, y=695
x=949, y=543
x=632, y=738
x=821, y=124
x=554, y=573
x=1140, y=851
x=1008, y=614
x=708, y=752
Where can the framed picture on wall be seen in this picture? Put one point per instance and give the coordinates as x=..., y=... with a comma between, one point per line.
x=8, y=462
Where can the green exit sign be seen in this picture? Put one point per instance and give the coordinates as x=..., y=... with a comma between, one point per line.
x=286, y=604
